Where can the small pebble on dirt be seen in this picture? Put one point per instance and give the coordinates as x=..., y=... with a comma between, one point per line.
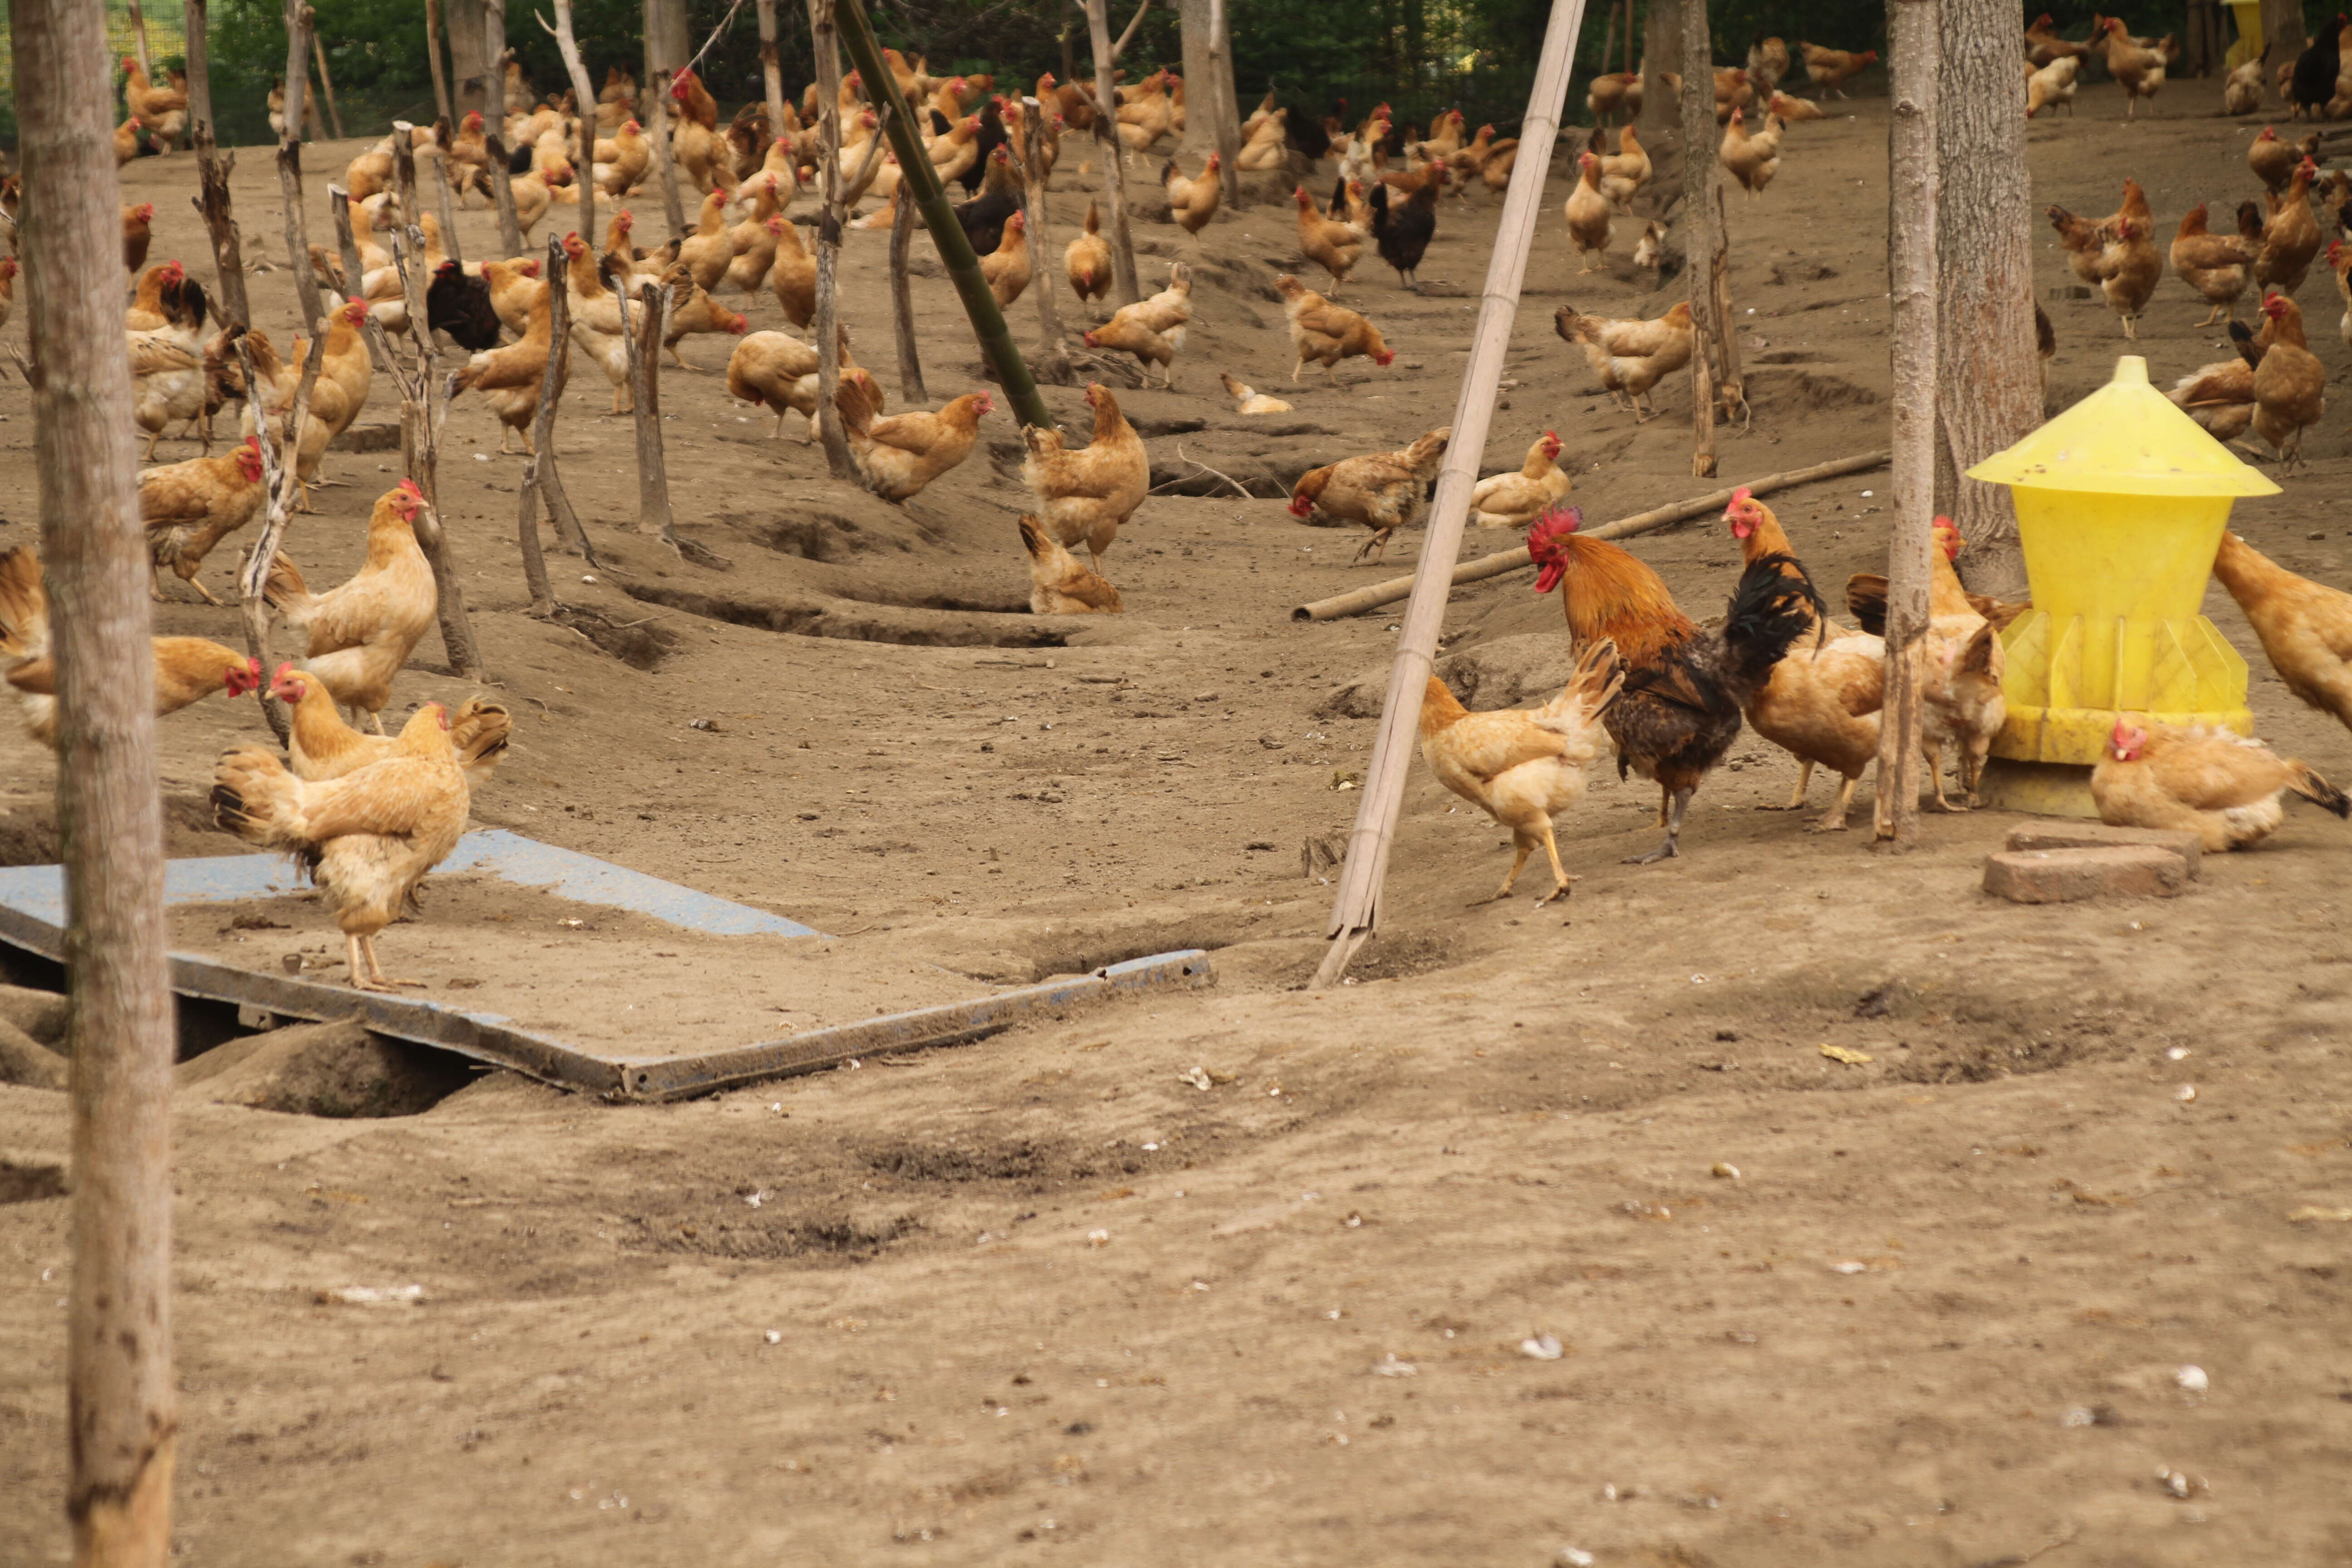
x=1542, y=1347
x=774, y=1336
x=2193, y=1379
x=1726, y=1172
x=2185, y=1093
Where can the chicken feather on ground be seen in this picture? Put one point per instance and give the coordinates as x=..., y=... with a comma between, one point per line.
x=1384, y=491
x=1524, y=767
x=1083, y=496
x=2227, y=789
x=321, y=746
x=1822, y=702
x=187, y=669
x=1515, y=500
x=900, y=455
x=1151, y=330
x=362, y=631
x=187, y=508
x=1325, y=333
x=1058, y=586
x=2305, y=627
x=366, y=839
x=1680, y=708
x=1629, y=355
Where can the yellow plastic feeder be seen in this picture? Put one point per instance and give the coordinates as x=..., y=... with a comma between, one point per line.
x=2248, y=14
x=2121, y=504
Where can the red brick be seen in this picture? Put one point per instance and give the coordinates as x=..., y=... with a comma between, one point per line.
x=2099, y=836
x=2064, y=876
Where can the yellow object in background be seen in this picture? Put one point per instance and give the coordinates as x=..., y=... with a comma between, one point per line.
x=2121, y=503
x=2248, y=14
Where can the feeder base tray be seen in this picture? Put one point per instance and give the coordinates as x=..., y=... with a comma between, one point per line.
x=2038, y=789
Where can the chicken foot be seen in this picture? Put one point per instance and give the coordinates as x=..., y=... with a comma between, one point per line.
x=1523, y=844
x=372, y=977
x=1934, y=752
x=1673, y=822
x=1796, y=797
x=1834, y=819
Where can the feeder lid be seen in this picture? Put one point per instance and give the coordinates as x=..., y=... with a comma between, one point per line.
x=2126, y=439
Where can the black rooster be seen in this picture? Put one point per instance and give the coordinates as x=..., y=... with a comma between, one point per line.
x=460, y=305
x=2315, y=70
x=990, y=137
x=983, y=217
x=1403, y=232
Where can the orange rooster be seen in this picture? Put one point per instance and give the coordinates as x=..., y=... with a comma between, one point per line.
x=1383, y=491
x=1083, y=496
x=1679, y=711
x=1325, y=333
x=187, y=669
x=321, y=746
x=2227, y=789
x=2305, y=627
x=187, y=508
x=367, y=838
x=362, y=631
x=1058, y=586
x=1524, y=768
x=900, y=455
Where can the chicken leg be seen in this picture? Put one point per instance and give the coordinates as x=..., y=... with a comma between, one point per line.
x=371, y=977
x=1797, y=796
x=1673, y=825
x=1523, y=844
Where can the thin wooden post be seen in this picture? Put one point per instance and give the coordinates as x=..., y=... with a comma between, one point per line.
x=583, y=99
x=433, y=57
x=645, y=388
x=1730, y=386
x=771, y=68
x=1702, y=228
x=1053, y=349
x=212, y=170
x=347, y=245
x=918, y=176
x=445, y=193
x=121, y=1414
x=299, y=21
x=1628, y=38
x=902, y=302
x=543, y=471
x=510, y=238
x=1915, y=54
x=1106, y=144
x=327, y=85
x=1356, y=908
x=139, y=38
x=824, y=325
x=1227, y=103
x=659, y=72
x=280, y=448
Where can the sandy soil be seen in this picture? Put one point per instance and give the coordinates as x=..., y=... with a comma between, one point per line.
x=1042, y=1299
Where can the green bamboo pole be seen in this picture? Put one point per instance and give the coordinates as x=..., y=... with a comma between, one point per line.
x=916, y=173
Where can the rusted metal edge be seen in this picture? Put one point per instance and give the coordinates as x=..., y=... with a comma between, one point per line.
x=479, y=1036
x=677, y=1078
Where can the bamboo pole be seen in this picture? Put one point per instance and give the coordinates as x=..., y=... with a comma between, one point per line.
x=1053, y=350
x=583, y=99
x=1373, y=597
x=1702, y=228
x=1915, y=56
x=902, y=300
x=298, y=22
x=212, y=170
x=327, y=85
x=1108, y=145
x=119, y=1391
x=916, y=173
x=433, y=57
x=1356, y=908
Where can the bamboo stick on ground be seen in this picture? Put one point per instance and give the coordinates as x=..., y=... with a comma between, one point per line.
x=1356, y=906
x=118, y=1373
x=1373, y=596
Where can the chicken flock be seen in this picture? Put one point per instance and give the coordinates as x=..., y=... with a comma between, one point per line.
x=368, y=814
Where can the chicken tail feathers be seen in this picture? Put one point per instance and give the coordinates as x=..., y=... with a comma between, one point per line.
x=256, y=799
x=1600, y=675
x=478, y=730
x=24, y=605
x=283, y=589
x=1977, y=657
x=2242, y=338
x=2318, y=790
x=1774, y=605
x=856, y=405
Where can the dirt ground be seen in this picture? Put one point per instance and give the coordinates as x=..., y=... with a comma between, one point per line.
x=1041, y=1299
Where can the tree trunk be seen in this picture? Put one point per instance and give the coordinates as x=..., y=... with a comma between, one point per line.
x=2283, y=27
x=1984, y=283
x=1053, y=351
x=212, y=170
x=771, y=69
x=327, y=84
x=1913, y=47
x=433, y=57
x=666, y=47
x=669, y=43
x=902, y=300
x=1109, y=148
x=584, y=92
x=510, y=238
x=1193, y=28
x=1229, y=103
x=118, y=1382
x=645, y=388
x=1662, y=51
x=472, y=78
x=1703, y=238
x=544, y=472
